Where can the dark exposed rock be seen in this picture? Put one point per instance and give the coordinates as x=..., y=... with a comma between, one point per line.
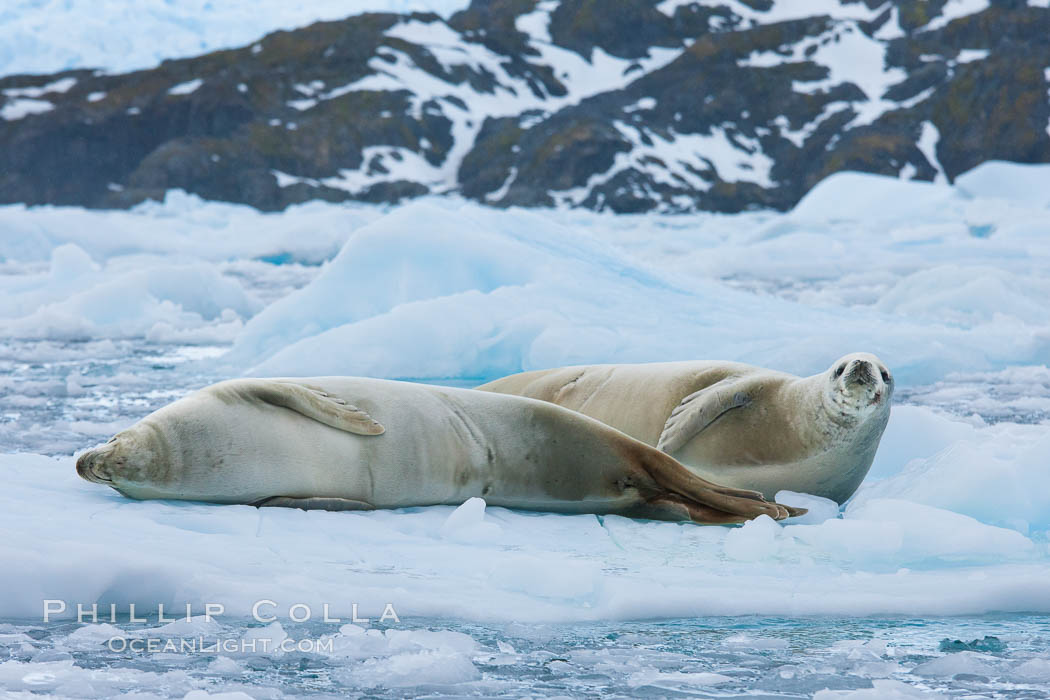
x=625, y=29
x=382, y=107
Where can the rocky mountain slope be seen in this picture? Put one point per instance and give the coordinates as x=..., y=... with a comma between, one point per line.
x=629, y=106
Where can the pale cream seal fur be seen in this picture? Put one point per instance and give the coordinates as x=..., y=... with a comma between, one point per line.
x=341, y=443
x=736, y=424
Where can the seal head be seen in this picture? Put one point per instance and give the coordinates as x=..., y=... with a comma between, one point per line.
x=133, y=462
x=856, y=387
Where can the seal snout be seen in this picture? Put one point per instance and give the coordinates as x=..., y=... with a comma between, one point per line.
x=94, y=467
x=860, y=372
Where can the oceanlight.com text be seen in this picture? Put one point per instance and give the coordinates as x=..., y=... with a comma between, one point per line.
x=200, y=645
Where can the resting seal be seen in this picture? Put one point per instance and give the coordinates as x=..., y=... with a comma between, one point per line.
x=356, y=444
x=733, y=423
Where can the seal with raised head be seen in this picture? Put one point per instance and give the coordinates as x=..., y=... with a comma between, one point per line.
x=339, y=443
x=736, y=424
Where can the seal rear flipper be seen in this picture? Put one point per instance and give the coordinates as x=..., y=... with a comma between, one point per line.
x=316, y=503
x=310, y=402
x=677, y=509
x=673, y=481
x=698, y=411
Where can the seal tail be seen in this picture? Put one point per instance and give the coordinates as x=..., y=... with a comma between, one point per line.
x=702, y=501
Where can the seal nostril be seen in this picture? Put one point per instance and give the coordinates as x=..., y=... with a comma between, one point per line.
x=860, y=371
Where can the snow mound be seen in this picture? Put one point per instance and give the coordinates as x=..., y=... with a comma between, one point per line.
x=997, y=474
x=1017, y=182
x=846, y=196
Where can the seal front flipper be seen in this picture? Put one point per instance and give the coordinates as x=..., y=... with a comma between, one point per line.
x=698, y=411
x=308, y=401
x=318, y=503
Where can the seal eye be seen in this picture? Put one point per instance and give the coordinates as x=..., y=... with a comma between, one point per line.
x=885, y=376
x=840, y=370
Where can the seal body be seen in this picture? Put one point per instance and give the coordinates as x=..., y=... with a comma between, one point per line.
x=342, y=443
x=736, y=424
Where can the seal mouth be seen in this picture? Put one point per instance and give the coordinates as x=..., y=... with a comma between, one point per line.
x=876, y=398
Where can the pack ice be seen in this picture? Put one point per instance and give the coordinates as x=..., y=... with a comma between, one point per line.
x=946, y=283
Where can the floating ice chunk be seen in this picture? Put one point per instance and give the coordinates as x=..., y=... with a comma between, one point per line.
x=1032, y=671
x=266, y=640
x=198, y=626
x=443, y=640
x=756, y=539
x=76, y=299
x=882, y=689
x=225, y=666
x=92, y=636
x=860, y=649
x=963, y=662
x=205, y=695
x=16, y=675
x=548, y=567
x=52, y=655
x=404, y=658
x=675, y=679
x=64, y=678
x=820, y=509
x=355, y=642
x=757, y=643
x=467, y=523
x=414, y=669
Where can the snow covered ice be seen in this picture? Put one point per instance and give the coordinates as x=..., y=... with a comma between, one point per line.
x=105, y=316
